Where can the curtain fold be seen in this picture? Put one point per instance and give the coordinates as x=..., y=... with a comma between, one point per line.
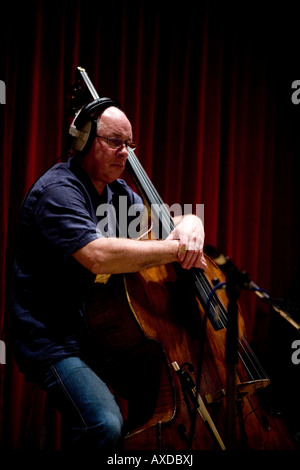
x=209, y=99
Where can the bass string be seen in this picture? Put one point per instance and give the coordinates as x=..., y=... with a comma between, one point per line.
x=147, y=187
x=152, y=195
x=220, y=311
x=217, y=308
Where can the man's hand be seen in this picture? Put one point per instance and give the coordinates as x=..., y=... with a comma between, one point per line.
x=190, y=233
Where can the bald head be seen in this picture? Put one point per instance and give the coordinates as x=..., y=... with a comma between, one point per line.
x=114, y=122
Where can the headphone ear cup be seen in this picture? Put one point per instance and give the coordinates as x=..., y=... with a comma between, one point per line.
x=83, y=129
x=84, y=139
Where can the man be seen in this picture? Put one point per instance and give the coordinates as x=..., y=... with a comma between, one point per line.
x=59, y=252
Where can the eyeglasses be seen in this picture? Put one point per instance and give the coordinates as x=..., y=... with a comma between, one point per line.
x=118, y=143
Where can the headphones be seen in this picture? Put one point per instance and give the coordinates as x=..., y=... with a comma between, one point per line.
x=83, y=129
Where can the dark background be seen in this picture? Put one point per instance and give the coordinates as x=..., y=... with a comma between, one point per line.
x=207, y=86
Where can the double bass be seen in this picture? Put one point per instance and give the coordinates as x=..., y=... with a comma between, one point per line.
x=159, y=339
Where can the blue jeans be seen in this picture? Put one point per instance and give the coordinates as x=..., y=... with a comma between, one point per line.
x=85, y=403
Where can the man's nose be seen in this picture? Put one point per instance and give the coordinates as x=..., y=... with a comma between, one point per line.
x=123, y=151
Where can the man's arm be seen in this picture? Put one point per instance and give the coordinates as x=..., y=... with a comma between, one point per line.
x=121, y=255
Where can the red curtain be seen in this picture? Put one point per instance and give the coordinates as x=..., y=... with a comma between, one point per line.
x=208, y=90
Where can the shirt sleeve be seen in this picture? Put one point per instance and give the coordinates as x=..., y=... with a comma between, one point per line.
x=64, y=217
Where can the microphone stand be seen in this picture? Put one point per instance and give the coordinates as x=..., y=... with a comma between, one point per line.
x=235, y=280
x=266, y=298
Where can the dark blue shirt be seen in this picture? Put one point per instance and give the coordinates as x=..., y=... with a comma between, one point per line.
x=58, y=217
